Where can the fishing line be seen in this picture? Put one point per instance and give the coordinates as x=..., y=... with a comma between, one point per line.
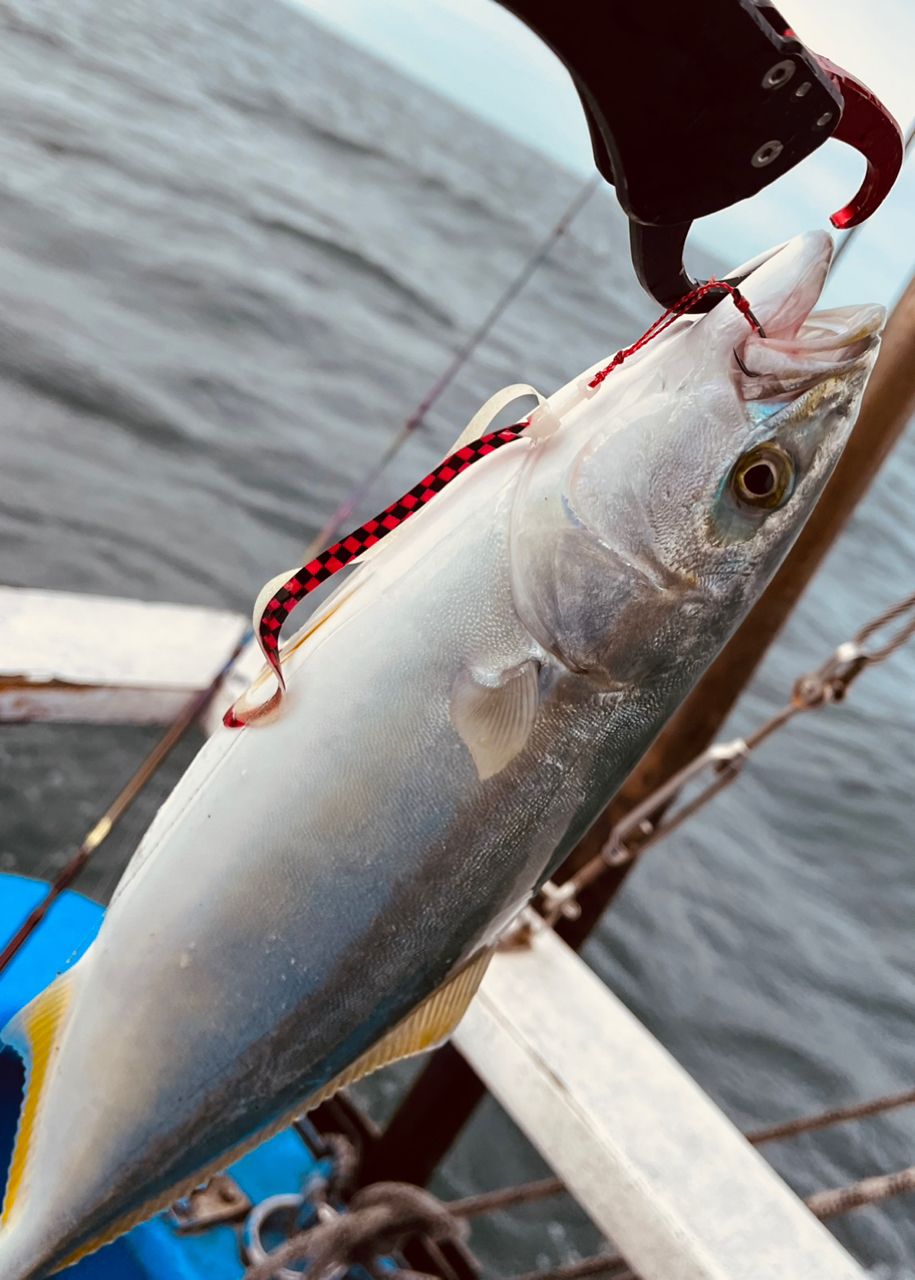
x=359, y=491
x=188, y=716
x=673, y=313
x=284, y=594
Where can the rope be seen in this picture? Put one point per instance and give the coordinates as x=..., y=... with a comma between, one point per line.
x=380, y=1218
x=383, y=1216
x=544, y=1188
x=823, y=1205
x=506, y=1197
x=596, y=1266
x=831, y=1204
x=825, y=1119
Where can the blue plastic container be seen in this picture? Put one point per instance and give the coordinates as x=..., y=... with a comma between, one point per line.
x=155, y=1250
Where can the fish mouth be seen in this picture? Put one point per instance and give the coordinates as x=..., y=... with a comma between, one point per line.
x=834, y=344
x=797, y=347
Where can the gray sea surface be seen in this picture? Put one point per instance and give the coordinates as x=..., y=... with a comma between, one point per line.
x=234, y=254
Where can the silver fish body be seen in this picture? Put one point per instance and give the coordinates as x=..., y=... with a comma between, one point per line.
x=456, y=720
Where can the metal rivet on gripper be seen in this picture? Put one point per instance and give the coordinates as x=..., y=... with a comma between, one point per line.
x=768, y=152
x=778, y=75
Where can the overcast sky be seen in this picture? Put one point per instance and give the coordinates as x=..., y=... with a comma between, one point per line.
x=476, y=53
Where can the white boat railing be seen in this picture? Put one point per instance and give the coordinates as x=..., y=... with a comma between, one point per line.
x=651, y=1159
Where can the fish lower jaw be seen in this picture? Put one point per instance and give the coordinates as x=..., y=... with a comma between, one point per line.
x=771, y=368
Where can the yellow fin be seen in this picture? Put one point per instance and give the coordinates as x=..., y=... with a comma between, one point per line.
x=33, y=1033
x=429, y=1024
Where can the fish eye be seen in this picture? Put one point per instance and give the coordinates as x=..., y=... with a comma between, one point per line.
x=763, y=477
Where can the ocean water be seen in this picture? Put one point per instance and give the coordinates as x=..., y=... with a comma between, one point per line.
x=234, y=253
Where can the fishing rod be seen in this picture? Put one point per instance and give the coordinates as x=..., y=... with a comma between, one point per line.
x=351, y=501
x=196, y=705
x=102, y=829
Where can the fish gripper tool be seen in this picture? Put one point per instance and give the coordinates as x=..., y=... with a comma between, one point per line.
x=693, y=107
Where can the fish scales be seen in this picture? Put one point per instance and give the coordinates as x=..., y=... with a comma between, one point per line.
x=353, y=850
x=454, y=722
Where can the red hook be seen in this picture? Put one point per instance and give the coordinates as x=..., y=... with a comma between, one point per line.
x=867, y=126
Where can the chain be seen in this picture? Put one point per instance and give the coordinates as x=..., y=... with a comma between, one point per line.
x=378, y=1221
x=381, y=1217
x=659, y=814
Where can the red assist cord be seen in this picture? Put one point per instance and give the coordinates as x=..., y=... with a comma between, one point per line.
x=674, y=313
x=269, y=622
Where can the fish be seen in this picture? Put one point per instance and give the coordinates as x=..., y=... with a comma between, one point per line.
x=322, y=891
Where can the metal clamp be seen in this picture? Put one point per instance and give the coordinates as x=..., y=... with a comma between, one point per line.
x=283, y=1214
x=217, y=1201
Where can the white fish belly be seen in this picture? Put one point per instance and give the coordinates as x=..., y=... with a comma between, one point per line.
x=309, y=881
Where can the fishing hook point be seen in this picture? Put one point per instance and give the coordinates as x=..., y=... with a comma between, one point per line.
x=748, y=373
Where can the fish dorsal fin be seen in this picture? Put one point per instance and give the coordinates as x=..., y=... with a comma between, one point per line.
x=495, y=720
x=480, y=422
x=34, y=1033
x=428, y=1025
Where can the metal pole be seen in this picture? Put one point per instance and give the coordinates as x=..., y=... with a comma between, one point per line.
x=445, y=1094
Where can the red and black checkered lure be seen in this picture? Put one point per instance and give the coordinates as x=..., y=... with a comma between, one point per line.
x=283, y=594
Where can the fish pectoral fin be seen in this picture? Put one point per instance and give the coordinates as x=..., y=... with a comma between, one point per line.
x=495, y=720
x=34, y=1033
x=481, y=421
x=430, y=1023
